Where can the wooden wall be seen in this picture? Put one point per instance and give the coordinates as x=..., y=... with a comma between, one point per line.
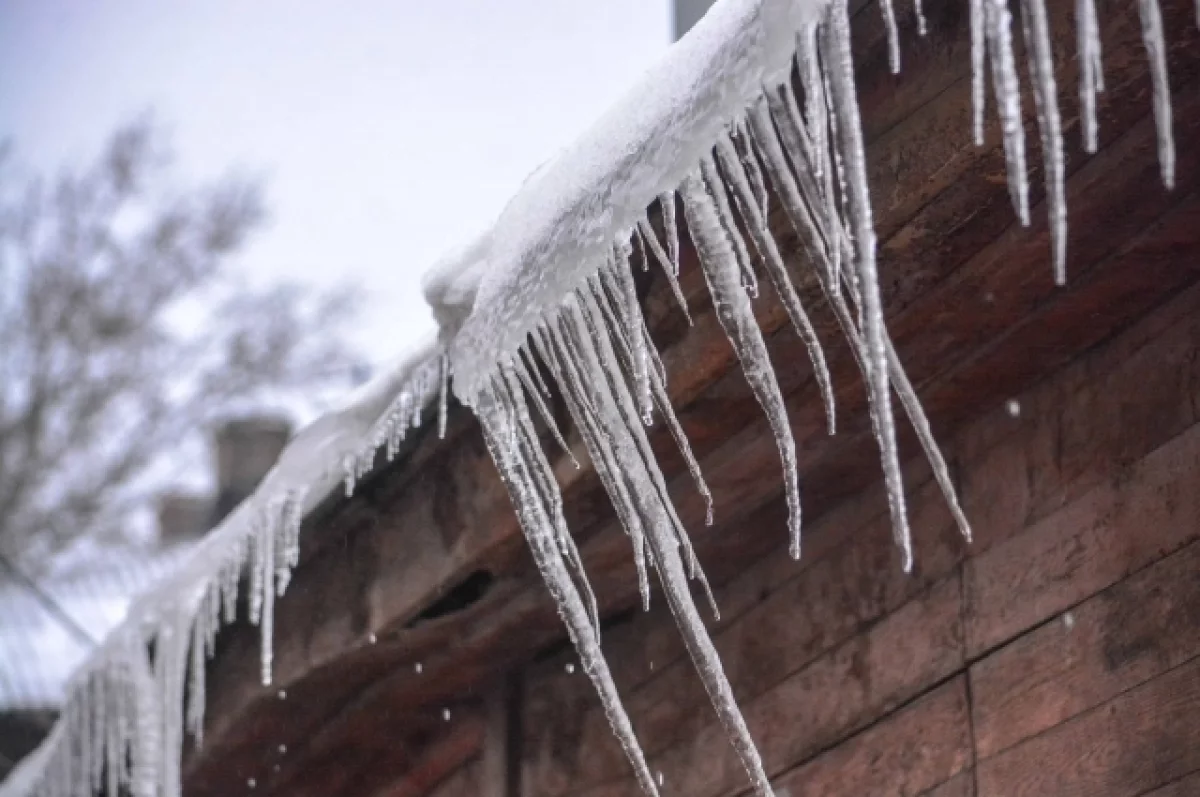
x=1058, y=654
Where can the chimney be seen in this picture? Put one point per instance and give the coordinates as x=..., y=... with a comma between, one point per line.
x=182, y=517
x=246, y=449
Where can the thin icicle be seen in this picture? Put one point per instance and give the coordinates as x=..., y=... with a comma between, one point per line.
x=664, y=544
x=520, y=368
x=631, y=313
x=1036, y=29
x=443, y=393
x=604, y=299
x=893, y=35
x=841, y=67
x=571, y=382
x=768, y=251
x=737, y=319
x=666, y=203
x=720, y=197
x=668, y=267
x=978, y=56
x=588, y=316
x=919, y=11
x=1008, y=102
x=498, y=426
x=532, y=369
x=1156, y=51
x=1091, y=69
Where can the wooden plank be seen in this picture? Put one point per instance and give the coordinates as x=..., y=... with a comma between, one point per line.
x=1140, y=740
x=1125, y=636
x=1087, y=546
x=922, y=745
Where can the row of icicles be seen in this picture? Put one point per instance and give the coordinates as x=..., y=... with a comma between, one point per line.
x=599, y=353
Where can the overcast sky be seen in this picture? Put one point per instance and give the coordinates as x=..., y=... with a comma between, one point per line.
x=389, y=131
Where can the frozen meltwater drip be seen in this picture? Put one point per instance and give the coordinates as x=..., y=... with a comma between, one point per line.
x=570, y=668
x=251, y=783
x=1091, y=70
x=978, y=55
x=650, y=240
x=893, y=34
x=666, y=203
x=1013, y=408
x=282, y=749
x=1036, y=29
x=515, y=460
x=445, y=715
x=736, y=317
x=768, y=252
x=836, y=45
x=998, y=25
x=443, y=392
x=922, y=25
x=1156, y=50
x=281, y=694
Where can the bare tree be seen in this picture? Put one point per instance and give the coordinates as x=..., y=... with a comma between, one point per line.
x=123, y=330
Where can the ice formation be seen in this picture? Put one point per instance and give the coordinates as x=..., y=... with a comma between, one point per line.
x=756, y=104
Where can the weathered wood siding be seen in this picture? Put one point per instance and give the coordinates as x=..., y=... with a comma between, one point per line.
x=1059, y=654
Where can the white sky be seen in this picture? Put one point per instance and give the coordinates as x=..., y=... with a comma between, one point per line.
x=388, y=132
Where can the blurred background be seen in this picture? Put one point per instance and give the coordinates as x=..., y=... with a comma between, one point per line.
x=214, y=217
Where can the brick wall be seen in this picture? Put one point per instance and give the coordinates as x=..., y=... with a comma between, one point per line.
x=1059, y=654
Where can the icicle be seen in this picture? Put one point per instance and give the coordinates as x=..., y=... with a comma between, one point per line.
x=508, y=386
x=497, y=422
x=1091, y=71
x=737, y=319
x=893, y=35
x=919, y=10
x=1036, y=30
x=764, y=242
x=1008, y=101
x=592, y=339
x=580, y=406
x=443, y=393
x=754, y=174
x=664, y=543
x=266, y=547
x=604, y=299
x=720, y=197
x=195, y=709
x=666, y=203
x=532, y=370
x=841, y=68
x=521, y=369
x=1156, y=51
x=631, y=314
x=648, y=237
x=978, y=55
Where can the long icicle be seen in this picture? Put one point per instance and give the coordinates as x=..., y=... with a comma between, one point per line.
x=1091, y=69
x=841, y=67
x=1036, y=30
x=604, y=299
x=590, y=316
x=756, y=225
x=737, y=319
x=497, y=423
x=620, y=418
x=998, y=22
x=579, y=404
x=1156, y=51
x=978, y=56
x=650, y=240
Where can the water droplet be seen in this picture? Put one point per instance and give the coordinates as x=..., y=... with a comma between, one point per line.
x=445, y=715
x=659, y=776
x=1014, y=408
x=371, y=639
x=418, y=668
x=282, y=694
x=282, y=749
x=1068, y=620
x=652, y=665
x=570, y=668
x=251, y=782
